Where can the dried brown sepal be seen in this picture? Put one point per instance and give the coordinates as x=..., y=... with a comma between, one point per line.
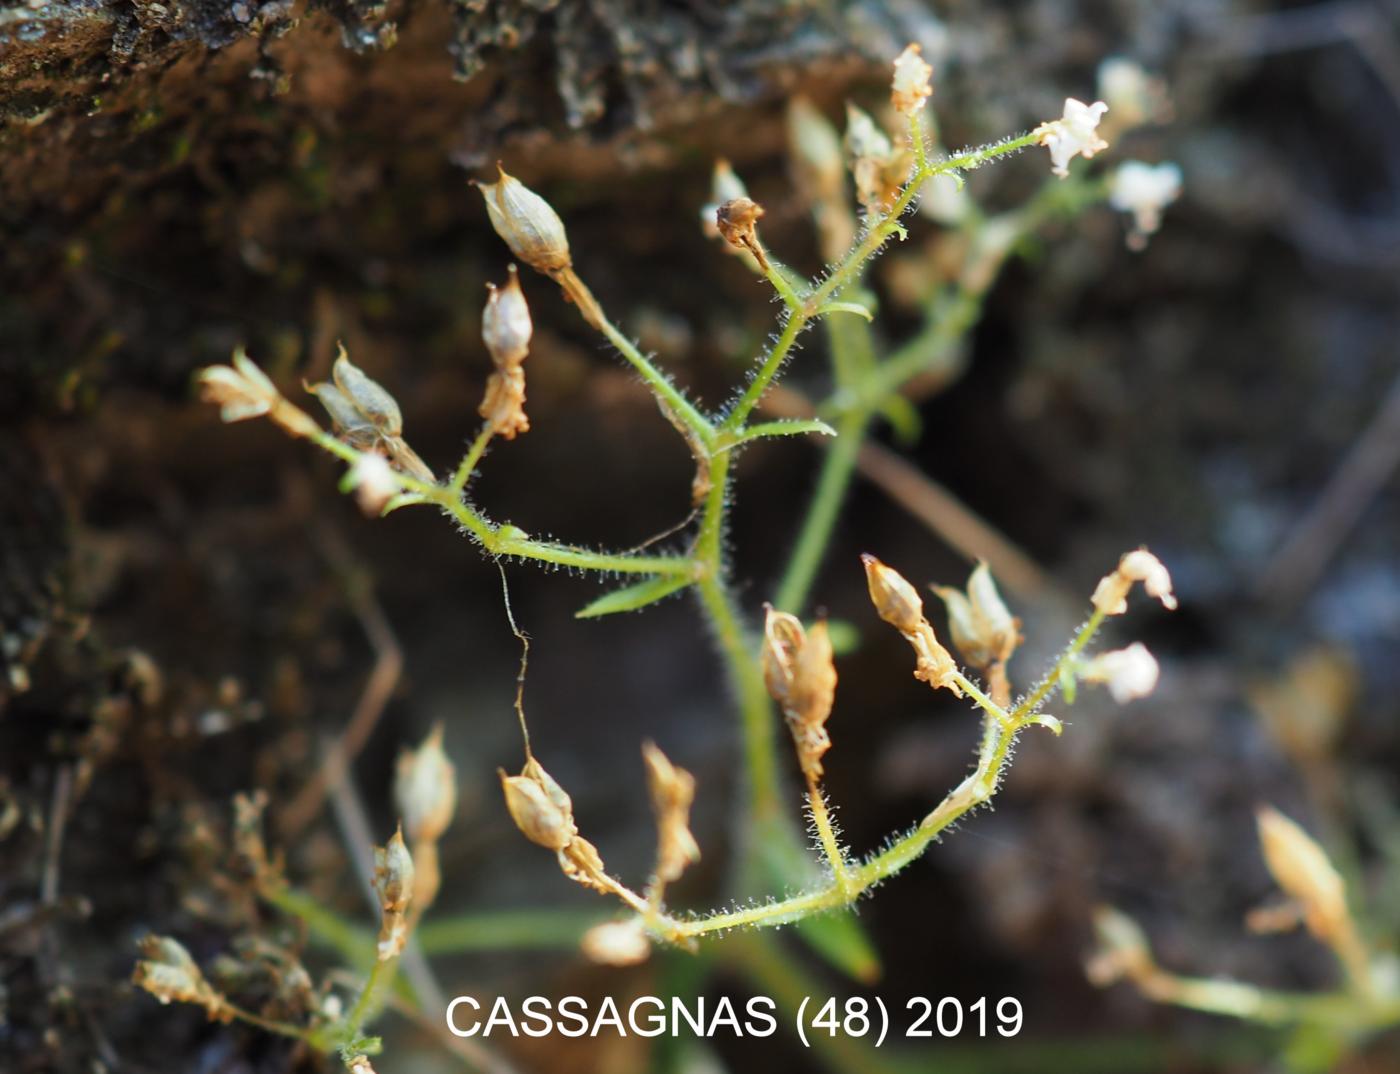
x=168, y=972
x=503, y=405
x=898, y=603
x=1111, y=594
x=248, y=841
x=878, y=168
x=672, y=791
x=528, y=224
x=243, y=391
x=737, y=221
x=394, y=883
x=800, y=672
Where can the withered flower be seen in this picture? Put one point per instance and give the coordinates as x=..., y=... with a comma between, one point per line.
x=801, y=677
x=672, y=791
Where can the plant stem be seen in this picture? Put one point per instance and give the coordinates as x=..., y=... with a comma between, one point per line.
x=469, y=461
x=505, y=540
x=1031, y=703
x=660, y=385
x=825, y=507
x=826, y=833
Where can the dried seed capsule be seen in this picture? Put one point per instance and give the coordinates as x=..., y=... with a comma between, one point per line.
x=505, y=322
x=425, y=788
x=527, y=223
x=737, y=222
x=1303, y=870
x=393, y=881
x=536, y=814
x=370, y=400
x=896, y=601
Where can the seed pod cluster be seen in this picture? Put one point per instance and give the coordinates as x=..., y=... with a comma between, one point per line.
x=800, y=673
x=506, y=330
x=167, y=971
x=898, y=603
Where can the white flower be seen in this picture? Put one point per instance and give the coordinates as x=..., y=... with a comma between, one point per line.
x=911, y=87
x=374, y=482
x=1074, y=134
x=1144, y=190
x=1111, y=594
x=1128, y=673
x=616, y=943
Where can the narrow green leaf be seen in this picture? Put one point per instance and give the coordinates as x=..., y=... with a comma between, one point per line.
x=632, y=597
x=799, y=427
x=845, y=307
x=904, y=419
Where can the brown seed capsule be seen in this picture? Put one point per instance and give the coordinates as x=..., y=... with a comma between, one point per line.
x=425, y=789
x=537, y=816
x=527, y=223
x=393, y=881
x=1302, y=869
x=371, y=401
x=897, y=602
x=737, y=220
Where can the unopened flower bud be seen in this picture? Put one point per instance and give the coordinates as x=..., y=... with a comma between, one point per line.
x=1123, y=951
x=911, y=87
x=896, y=601
x=527, y=223
x=1128, y=673
x=616, y=943
x=538, y=816
x=1303, y=871
x=505, y=322
x=425, y=789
